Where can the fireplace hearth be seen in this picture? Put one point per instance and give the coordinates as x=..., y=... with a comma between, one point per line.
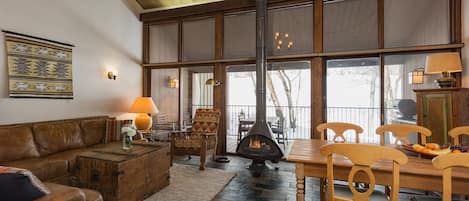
x=259, y=144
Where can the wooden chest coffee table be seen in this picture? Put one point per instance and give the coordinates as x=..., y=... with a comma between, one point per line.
x=125, y=175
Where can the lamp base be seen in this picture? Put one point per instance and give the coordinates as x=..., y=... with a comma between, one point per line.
x=446, y=81
x=143, y=122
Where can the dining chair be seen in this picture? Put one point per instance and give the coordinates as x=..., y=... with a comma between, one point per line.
x=402, y=131
x=446, y=163
x=243, y=126
x=278, y=129
x=339, y=129
x=362, y=156
x=457, y=132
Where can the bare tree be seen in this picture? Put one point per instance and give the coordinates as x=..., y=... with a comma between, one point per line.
x=287, y=85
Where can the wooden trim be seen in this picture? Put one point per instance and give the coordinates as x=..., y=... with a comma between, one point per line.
x=318, y=28
x=318, y=95
x=146, y=89
x=381, y=24
x=381, y=88
x=219, y=36
x=455, y=21
x=355, y=53
x=146, y=73
x=180, y=40
x=219, y=101
x=318, y=77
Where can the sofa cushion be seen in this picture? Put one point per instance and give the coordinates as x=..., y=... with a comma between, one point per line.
x=43, y=169
x=69, y=156
x=63, y=193
x=52, y=138
x=93, y=131
x=17, y=143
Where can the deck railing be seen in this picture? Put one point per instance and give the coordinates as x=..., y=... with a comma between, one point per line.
x=367, y=117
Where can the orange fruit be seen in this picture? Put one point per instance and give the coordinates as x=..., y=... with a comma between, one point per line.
x=433, y=146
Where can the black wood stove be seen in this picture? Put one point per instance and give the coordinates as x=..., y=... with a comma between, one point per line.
x=259, y=144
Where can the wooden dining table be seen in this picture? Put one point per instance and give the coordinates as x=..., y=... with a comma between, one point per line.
x=418, y=173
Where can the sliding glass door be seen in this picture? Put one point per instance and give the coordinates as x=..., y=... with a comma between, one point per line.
x=353, y=95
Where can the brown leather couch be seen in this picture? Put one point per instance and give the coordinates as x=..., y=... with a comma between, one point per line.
x=48, y=149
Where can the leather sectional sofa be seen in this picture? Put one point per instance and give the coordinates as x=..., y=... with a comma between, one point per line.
x=48, y=149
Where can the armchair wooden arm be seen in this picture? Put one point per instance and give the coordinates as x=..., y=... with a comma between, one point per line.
x=208, y=134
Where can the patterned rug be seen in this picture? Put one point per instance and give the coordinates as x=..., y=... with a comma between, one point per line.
x=188, y=183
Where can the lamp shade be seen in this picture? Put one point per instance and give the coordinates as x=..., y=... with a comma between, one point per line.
x=144, y=105
x=443, y=62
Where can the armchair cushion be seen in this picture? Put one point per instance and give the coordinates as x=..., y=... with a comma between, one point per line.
x=206, y=121
x=188, y=142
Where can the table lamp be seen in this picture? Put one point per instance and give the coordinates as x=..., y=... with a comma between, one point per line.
x=143, y=106
x=444, y=63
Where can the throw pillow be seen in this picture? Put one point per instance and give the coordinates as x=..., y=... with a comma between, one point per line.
x=20, y=184
x=113, y=129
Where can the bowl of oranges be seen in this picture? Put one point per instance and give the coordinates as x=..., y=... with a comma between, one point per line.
x=431, y=150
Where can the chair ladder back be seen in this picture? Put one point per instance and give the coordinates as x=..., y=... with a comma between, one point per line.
x=339, y=129
x=457, y=132
x=363, y=156
x=446, y=163
x=402, y=131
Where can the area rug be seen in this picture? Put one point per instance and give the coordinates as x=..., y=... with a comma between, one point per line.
x=188, y=183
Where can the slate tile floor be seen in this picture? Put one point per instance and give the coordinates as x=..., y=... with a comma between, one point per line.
x=272, y=185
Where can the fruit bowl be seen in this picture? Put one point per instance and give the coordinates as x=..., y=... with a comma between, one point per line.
x=429, y=150
x=432, y=150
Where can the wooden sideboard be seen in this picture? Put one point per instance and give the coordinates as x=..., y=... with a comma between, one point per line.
x=442, y=109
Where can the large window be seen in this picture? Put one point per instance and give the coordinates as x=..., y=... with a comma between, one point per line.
x=399, y=97
x=353, y=95
x=198, y=39
x=350, y=25
x=416, y=22
x=288, y=98
x=194, y=92
x=240, y=35
x=164, y=43
x=290, y=30
x=165, y=95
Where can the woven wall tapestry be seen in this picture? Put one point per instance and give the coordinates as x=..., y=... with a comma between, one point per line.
x=38, y=68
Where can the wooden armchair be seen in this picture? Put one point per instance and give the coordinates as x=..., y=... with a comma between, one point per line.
x=201, y=140
x=402, y=131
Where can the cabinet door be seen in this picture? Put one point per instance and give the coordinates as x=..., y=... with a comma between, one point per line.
x=436, y=116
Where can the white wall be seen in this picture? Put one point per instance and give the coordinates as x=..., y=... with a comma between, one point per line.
x=465, y=36
x=107, y=35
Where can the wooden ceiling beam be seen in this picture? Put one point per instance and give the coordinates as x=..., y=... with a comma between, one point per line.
x=210, y=9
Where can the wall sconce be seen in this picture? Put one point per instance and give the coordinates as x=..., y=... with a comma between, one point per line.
x=416, y=76
x=173, y=83
x=213, y=82
x=112, y=75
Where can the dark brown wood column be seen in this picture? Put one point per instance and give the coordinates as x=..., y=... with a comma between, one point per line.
x=318, y=111
x=219, y=92
x=146, y=72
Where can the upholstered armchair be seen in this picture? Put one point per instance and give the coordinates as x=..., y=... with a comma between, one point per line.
x=201, y=140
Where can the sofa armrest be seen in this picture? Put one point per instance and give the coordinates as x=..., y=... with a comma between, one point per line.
x=63, y=193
